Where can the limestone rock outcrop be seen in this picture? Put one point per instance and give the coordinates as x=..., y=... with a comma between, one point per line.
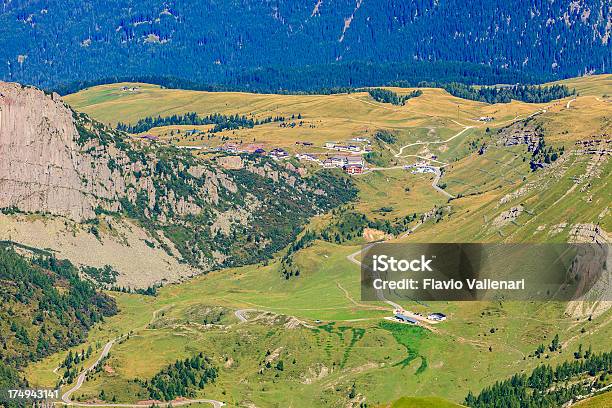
x=40, y=161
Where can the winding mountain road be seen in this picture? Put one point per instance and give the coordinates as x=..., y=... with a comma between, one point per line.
x=83, y=375
x=107, y=347
x=435, y=182
x=379, y=294
x=465, y=128
x=438, y=170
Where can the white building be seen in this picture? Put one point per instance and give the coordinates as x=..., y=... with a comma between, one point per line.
x=440, y=317
x=306, y=156
x=339, y=161
x=328, y=163
x=355, y=160
x=360, y=139
x=423, y=169
x=278, y=154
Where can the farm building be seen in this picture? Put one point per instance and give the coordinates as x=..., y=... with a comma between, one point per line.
x=339, y=161
x=423, y=169
x=353, y=148
x=437, y=316
x=304, y=143
x=353, y=169
x=328, y=163
x=403, y=318
x=306, y=156
x=279, y=153
x=354, y=160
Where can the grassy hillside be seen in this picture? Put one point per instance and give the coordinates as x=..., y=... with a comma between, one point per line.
x=596, y=85
x=336, y=349
x=600, y=401
x=325, y=117
x=425, y=402
x=45, y=308
x=566, y=195
x=318, y=321
x=434, y=124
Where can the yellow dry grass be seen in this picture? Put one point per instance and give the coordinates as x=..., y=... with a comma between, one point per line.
x=324, y=117
x=594, y=85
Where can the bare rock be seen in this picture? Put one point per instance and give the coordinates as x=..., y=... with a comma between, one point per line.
x=589, y=233
x=230, y=162
x=38, y=155
x=508, y=216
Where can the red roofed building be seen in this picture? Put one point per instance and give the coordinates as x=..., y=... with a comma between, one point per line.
x=353, y=169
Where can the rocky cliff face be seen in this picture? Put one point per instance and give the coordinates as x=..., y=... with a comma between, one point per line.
x=41, y=166
x=57, y=162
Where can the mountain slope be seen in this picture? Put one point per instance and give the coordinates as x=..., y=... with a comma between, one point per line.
x=205, y=214
x=40, y=295
x=292, y=44
x=541, y=179
x=309, y=340
x=45, y=308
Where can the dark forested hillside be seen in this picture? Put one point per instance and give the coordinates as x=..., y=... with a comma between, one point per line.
x=525, y=93
x=302, y=45
x=44, y=307
x=548, y=387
